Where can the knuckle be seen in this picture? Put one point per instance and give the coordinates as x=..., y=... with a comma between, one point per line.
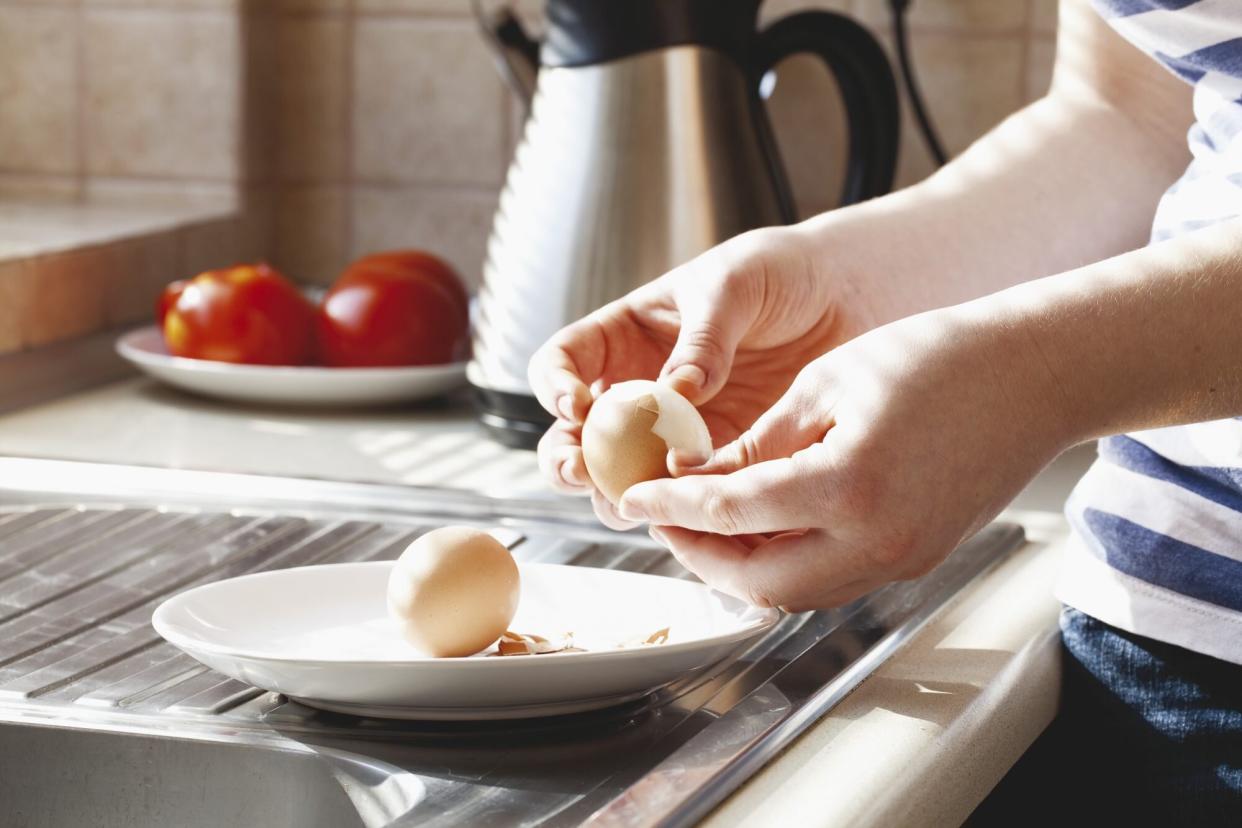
x=723, y=513
x=656, y=513
x=749, y=450
x=741, y=262
x=706, y=338
x=759, y=595
x=738, y=277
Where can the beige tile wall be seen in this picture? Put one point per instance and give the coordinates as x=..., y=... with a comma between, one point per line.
x=348, y=125
x=38, y=79
x=118, y=91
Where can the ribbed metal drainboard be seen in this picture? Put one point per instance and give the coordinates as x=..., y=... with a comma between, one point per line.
x=79, y=581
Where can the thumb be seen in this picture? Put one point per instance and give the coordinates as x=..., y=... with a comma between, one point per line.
x=701, y=359
x=796, y=421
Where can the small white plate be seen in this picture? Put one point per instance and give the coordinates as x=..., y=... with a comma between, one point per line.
x=321, y=635
x=288, y=385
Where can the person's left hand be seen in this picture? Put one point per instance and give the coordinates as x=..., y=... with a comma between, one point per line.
x=883, y=455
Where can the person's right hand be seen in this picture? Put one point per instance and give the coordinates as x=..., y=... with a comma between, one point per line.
x=729, y=330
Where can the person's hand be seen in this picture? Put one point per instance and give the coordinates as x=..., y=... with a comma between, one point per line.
x=883, y=455
x=729, y=330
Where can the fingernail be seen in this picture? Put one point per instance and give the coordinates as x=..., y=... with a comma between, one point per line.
x=565, y=405
x=689, y=375
x=631, y=511
x=688, y=459
x=568, y=475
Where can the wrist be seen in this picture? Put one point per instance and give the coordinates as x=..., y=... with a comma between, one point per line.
x=1018, y=353
x=854, y=286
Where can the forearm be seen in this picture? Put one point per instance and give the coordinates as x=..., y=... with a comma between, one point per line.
x=1071, y=179
x=1048, y=190
x=1147, y=339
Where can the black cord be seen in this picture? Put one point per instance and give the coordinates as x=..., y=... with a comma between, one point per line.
x=902, y=41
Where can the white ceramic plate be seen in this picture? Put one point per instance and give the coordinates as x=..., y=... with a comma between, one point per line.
x=320, y=634
x=288, y=385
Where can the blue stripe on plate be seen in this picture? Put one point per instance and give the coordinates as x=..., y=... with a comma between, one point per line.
x=1164, y=561
x=1125, y=8
x=1222, y=485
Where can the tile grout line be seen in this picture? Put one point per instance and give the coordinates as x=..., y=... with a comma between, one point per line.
x=273, y=188
x=349, y=138
x=240, y=140
x=1024, y=53
x=80, y=105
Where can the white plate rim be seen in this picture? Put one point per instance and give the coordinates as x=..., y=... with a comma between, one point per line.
x=128, y=348
x=765, y=619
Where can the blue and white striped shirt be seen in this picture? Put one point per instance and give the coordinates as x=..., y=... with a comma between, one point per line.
x=1158, y=518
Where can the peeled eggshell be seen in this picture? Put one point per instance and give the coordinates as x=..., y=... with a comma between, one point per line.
x=454, y=591
x=631, y=428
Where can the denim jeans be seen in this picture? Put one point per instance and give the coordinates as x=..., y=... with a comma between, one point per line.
x=1148, y=733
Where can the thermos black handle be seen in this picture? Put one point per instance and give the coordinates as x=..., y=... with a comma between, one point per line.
x=516, y=52
x=867, y=86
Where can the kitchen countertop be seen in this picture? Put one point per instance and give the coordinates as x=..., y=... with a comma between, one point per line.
x=140, y=422
x=920, y=741
x=925, y=738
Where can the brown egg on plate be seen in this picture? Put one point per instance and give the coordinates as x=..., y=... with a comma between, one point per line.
x=454, y=591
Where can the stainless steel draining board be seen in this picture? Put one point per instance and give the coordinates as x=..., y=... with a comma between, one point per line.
x=88, y=551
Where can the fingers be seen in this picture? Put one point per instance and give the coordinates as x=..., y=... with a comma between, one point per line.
x=718, y=561
x=561, y=371
x=713, y=322
x=793, y=571
x=560, y=458
x=607, y=513
x=775, y=496
x=796, y=421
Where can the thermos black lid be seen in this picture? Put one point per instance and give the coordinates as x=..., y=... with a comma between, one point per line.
x=582, y=32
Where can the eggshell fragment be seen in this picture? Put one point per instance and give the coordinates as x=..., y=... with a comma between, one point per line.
x=631, y=428
x=454, y=591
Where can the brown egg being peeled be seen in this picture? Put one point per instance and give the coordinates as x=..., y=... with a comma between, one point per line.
x=454, y=591
x=629, y=431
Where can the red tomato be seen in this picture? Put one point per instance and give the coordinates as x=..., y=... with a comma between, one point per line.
x=167, y=299
x=385, y=311
x=416, y=261
x=245, y=314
